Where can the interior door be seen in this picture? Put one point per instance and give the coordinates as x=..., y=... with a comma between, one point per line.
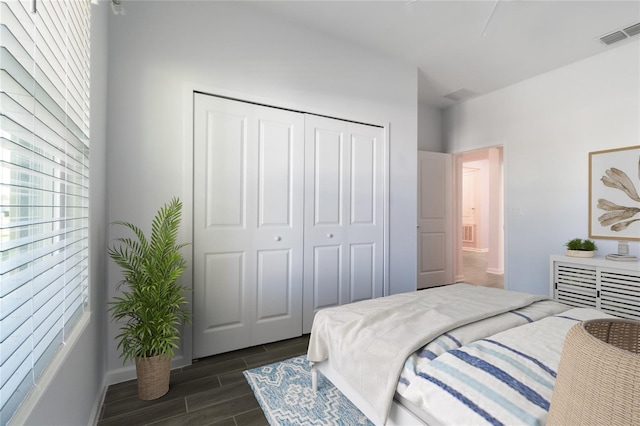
x=247, y=224
x=343, y=255
x=435, y=219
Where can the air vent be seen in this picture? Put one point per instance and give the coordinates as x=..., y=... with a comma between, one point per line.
x=460, y=95
x=621, y=34
x=613, y=37
x=632, y=30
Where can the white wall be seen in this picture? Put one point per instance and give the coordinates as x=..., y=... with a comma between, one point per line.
x=430, y=128
x=159, y=49
x=548, y=125
x=74, y=395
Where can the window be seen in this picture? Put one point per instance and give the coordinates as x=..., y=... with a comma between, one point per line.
x=44, y=185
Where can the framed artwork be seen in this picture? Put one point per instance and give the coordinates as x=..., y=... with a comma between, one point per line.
x=614, y=200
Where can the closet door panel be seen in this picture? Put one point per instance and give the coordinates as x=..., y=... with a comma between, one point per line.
x=362, y=272
x=363, y=182
x=226, y=273
x=274, y=284
x=225, y=169
x=328, y=167
x=248, y=207
x=278, y=232
x=365, y=230
x=327, y=276
x=221, y=242
x=343, y=211
x=275, y=175
x=324, y=281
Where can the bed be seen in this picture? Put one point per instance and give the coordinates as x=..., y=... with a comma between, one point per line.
x=459, y=354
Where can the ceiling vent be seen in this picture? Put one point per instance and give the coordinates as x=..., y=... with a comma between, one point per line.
x=613, y=37
x=460, y=95
x=632, y=30
x=622, y=34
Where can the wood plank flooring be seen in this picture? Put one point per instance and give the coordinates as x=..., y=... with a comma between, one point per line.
x=211, y=391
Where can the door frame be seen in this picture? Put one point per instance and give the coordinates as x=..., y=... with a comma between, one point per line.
x=189, y=88
x=502, y=209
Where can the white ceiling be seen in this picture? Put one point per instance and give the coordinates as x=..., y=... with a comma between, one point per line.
x=477, y=45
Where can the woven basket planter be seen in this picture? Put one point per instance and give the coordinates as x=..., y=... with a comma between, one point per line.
x=153, y=376
x=598, y=380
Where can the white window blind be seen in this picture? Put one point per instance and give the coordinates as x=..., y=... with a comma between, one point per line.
x=44, y=185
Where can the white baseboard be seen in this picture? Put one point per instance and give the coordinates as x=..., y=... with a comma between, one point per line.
x=128, y=372
x=476, y=250
x=97, y=405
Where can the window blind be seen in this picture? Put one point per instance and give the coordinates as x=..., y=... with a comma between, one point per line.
x=44, y=185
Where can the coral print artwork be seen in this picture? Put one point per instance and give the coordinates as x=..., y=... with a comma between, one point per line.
x=614, y=203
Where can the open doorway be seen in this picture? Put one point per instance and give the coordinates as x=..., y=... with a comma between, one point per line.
x=479, y=195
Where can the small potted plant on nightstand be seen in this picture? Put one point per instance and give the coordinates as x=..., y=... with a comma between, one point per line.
x=151, y=305
x=578, y=247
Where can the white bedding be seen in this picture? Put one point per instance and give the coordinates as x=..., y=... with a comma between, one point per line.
x=475, y=331
x=504, y=379
x=368, y=342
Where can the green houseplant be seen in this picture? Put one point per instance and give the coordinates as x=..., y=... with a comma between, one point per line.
x=578, y=247
x=151, y=305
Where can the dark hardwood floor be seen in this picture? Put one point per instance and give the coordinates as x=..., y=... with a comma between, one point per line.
x=211, y=391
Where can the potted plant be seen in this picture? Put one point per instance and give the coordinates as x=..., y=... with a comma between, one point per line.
x=151, y=305
x=578, y=247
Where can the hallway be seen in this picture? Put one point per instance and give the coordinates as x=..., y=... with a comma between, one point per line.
x=474, y=270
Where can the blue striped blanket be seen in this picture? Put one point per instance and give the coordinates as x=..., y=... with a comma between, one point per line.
x=368, y=342
x=505, y=378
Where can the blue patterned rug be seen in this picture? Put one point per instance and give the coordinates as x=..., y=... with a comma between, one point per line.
x=284, y=392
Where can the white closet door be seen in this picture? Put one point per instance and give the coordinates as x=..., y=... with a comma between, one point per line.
x=247, y=224
x=343, y=254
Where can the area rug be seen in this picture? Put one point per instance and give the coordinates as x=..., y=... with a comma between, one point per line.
x=284, y=392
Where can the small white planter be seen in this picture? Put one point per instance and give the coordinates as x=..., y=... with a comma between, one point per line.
x=581, y=253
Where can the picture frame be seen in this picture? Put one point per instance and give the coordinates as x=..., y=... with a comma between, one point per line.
x=614, y=188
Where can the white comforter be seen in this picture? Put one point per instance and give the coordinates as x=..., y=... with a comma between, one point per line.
x=460, y=336
x=368, y=342
x=504, y=379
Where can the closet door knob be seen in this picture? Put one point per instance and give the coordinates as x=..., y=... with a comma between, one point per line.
x=329, y=235
x=278, y=238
